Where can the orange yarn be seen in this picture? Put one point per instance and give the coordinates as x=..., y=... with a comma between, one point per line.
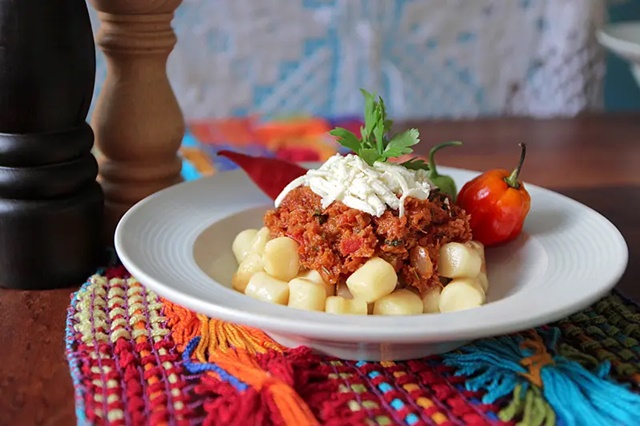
x=234, y=348
x=538, y=360
x=199, y=159
x=183, y=323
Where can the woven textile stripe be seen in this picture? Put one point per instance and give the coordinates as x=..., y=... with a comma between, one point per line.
x=121, y=355
x=138, y=359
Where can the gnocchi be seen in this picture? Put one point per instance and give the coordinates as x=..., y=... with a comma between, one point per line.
x=459, y=261
x=373, y=280
x=270, y=270
x=400, y=302
x=340, y=305
x=281, y=259
x=483, y=280
x=243, y=243
x=306, y=294
x=343, y=291
x=314, y=276
x=263, y=286
x=482, y=276
x=462, y=293
x=431, y=300
x=247, y=268
x=260, y=240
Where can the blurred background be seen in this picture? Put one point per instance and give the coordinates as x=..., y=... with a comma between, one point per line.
x=430, y=59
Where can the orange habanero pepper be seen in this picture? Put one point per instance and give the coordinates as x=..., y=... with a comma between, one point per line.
x=498, y=204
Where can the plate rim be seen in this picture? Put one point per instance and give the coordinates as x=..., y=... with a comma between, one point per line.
x=622, y=47
x=283, y=325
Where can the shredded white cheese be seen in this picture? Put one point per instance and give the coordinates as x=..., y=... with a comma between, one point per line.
x=370, y=189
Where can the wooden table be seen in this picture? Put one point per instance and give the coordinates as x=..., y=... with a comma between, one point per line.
x=594, y=159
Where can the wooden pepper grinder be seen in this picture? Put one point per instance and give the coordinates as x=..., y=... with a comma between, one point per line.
x=137, y=120
x=50, y=203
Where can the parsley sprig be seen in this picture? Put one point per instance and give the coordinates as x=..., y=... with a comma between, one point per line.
x=374, y=143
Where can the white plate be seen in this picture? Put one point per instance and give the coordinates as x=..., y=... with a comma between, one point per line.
x=623, y=39
x=177, y=243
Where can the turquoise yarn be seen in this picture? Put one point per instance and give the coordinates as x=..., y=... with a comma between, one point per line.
x=189, y=171
x=578, y=397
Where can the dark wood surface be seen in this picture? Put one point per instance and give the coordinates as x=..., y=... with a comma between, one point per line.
x=595, y=160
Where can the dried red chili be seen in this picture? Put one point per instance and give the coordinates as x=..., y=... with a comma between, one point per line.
x=271, y=175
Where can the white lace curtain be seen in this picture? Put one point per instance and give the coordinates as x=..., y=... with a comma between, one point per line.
x=428, y=58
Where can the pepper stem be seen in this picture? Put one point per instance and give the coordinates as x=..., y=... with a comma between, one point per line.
x=432, y=153
x=512, y=180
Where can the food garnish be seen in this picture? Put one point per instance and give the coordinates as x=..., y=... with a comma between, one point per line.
x=365, y=180
x=444, y=182
x=374, y=144
x=370, y=189
x=271, y=175
x=498, y=203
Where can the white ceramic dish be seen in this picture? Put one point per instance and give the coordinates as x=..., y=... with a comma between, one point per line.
x=178, y=243
x=623, y=39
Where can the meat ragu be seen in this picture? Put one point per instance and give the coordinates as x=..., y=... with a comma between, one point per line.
x=338, y=240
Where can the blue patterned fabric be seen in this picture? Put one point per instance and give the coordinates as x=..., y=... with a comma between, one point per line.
x=428, y=58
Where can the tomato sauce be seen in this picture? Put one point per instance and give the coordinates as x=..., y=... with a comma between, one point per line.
x=337, y=240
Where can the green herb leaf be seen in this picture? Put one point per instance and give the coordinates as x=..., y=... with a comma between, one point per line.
x=401, y=143
x=415, y=163
x=370, y=116
x=380, y=130
x=374, y=143
x=346, y=139
x=370, y=156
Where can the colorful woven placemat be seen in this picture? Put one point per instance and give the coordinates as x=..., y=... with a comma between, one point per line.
x=137, y=359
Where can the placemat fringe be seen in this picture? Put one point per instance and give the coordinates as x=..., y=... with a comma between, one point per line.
x=528, y=366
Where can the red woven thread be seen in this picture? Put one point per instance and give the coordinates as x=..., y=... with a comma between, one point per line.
x=157, y=392
x=117, y=272
x=440, y=380
x=308, y=374
x=128, y=379
x=415, y=394
x=299, y=368
x=225, y=405
x=92, y=382
x=352, y=381
x=409, y=405
x=132, y=379
x=311, y=374
x=173, y=358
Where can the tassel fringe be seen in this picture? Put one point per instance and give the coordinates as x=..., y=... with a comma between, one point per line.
x=542, y=383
